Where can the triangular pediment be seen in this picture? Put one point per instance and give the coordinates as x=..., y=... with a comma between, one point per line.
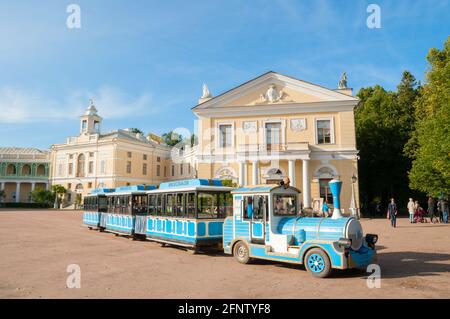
x=274, y=89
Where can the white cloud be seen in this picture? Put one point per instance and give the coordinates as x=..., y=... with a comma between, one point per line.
x=22, y=106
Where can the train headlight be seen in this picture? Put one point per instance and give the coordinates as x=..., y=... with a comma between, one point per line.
x=344, y=242
x=371, y=239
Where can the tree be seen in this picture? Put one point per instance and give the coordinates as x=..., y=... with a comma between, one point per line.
x=384, y=123
x=58, y=191
x=193, y=140
x=172, y=138
x=135, y=130
x=42, y=196
x=2, y=195
x=430, y=170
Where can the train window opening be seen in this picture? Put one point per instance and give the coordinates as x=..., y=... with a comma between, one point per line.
x=160, y=204
x=190, y=205
x=207, y=205
x=179, y=211
x=102, y=204
x=284, y=205
x=140, y=204
x=225, y=205
x=152, y=204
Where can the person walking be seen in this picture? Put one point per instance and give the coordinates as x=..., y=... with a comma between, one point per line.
x=392, y=212
x=443, y=210
x=430, y=209
x=411, y=210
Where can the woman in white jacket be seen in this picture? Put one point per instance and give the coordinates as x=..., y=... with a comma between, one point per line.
x=411, y=210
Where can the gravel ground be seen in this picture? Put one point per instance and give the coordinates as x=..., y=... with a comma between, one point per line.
x=36, y=246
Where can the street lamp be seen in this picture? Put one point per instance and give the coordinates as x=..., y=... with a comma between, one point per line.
x=354, y=207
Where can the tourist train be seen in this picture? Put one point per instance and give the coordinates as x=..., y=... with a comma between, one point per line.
x=251, y=222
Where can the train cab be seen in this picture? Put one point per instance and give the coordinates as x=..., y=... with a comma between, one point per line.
x=124, y=204
x=94, y=204
x=266, y=224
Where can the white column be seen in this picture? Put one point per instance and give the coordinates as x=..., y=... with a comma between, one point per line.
x=2, y=185
x=255, y=174
x=17, y=192
x=291, y=172
x=33, y=185
x=241, y=173
x=306, y=185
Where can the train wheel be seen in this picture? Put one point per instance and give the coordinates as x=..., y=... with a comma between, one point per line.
x=241, y=253
x=318, y=263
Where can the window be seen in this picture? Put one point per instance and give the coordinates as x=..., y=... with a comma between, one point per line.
x=60, y=168
x=165, y=171
x=80, y=165
x=323, y=131
x=273, y=136
x=139, y=204
x=144, y=169
x=325, y=192
x=129, y=167
x=181, y=169
x=90, y=185
x=225, y=205
x=96, y=125
x=91, y=167
x=189, y=168
x=179, y=202
x=91, y=154
x=207, y=205
x=190, y=205
x=144, y=157
x=84, y=125
x=284, y=205
x=69, y=185
x=170, y=204
x=158, y=170
x=129, y=154
x=70, y=168
x=158, y=159
x=225, y=135
x=173, y=170
x=255, y=207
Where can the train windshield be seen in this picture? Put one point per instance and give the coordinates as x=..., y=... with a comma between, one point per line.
x=102, y=204
x=284, y=205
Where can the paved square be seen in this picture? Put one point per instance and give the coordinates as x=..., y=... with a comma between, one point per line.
x=36, y=246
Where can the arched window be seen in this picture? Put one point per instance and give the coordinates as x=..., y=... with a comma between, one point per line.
x=40, y=170
x=26, y=170
x=80, y=165
x=11, y=169
x=226, y=173
x=274, y=175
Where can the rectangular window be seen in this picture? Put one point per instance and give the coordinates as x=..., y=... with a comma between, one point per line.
x=225, y=135
x=84, y=125
x=70, y=168
x=165, y=171
x=323, y=131
x=284, y=205
x=273, y=136
x=91, y=167
x=213, y=205
x=60, y=168
x=158, y=159
x=179, y=210
x=181, y=169
x=173, y=170
x=190, y=205
x=255, y=207
x=144, y=157
x=189, y=169
x=158, y=170
x=91, y=154
x=144, y=169
x=69, y=185
x=129, y=167
x=139, y=204
x=170, y=204
x=129, y=154
x=90, y=185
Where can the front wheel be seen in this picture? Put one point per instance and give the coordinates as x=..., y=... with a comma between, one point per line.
x=241, y=253
x=318, y=263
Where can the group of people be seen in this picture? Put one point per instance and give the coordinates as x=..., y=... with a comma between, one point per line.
x=437, y=212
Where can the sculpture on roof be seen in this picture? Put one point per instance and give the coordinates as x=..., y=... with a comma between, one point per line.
x=206, y=94
x=272, y=95
x=343, y=82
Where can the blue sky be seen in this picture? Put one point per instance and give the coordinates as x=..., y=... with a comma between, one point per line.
x=144, y=62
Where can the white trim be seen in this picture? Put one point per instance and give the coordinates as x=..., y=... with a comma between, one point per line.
x=332, y=133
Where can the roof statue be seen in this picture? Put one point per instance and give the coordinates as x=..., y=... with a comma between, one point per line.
x=206, y=94
x=343, y=82
x=91, y=110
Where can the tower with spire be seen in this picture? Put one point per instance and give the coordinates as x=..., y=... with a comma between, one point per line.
x=90, y=120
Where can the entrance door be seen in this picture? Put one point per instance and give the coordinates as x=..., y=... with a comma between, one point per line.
x=258, y=220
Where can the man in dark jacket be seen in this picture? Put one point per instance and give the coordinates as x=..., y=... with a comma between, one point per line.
x=392, y=211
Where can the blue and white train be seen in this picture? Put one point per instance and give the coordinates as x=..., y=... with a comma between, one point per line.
x=252, y=222
x=94, y=205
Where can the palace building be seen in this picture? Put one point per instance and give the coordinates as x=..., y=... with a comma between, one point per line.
x=276, y=126
x=269, y=128
x=21, y=171
x=95, y=160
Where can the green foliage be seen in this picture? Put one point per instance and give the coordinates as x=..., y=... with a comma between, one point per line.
x=384, y=123
x=135, y=130
x=42, y=196
x=171, y=138
x=58, y=189
x=430, y=171
x=229, y=183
